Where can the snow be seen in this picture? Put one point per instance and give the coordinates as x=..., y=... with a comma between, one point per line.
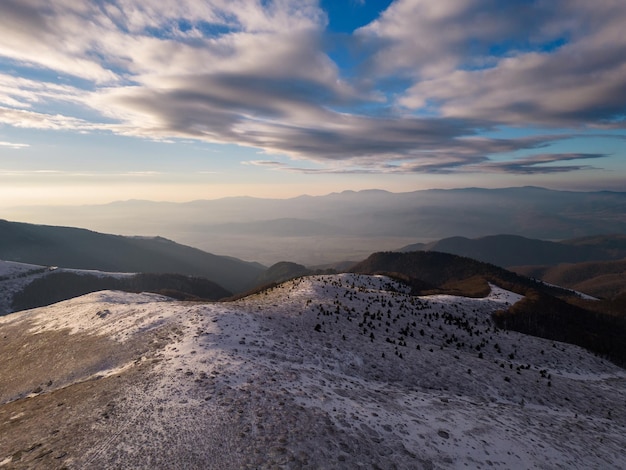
x=96, y=273
x=12, y=268
x=325, y=372
x=16, y=276
x=117, y=314
x=13, y=278
x=575, y=292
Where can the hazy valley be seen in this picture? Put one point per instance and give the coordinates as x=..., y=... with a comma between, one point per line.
x=349, y=225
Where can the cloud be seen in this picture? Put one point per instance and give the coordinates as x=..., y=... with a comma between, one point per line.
x=61, y=174
x=434, y=77
x=34, y=120
x=465, y=155
x=59, y=36
x=540, y=164
x=20, y=92
x=558, y=63
x=266, y=163
x=423, y=39
x=13, y=145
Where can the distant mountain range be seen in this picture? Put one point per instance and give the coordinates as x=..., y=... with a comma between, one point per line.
x=349, y=225
x=513, y=250
x=571, y=263
x=84, y=249
x=431, y=272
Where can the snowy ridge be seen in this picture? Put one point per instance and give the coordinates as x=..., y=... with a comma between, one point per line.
x=12, y=268
x=15, y=276
x=345, y=371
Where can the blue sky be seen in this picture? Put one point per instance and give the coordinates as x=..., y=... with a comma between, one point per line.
x=184, y=99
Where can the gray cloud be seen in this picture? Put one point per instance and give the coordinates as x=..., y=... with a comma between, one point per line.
x=439, y=74
x=59, y=36
x=558, y=63
x=542, y=163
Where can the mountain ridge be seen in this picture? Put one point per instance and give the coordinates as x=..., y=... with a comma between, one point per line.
x=605, y=279
x=328, y=371
x=26, y=286
x=513, y=250
x=86, y=249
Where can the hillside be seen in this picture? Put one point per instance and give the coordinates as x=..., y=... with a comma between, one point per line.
x=60, y=286
x=513, y=250
x=599, y=279
x=332, y=372
x=84, y=249
x=25, y=286
x=282, y=271
x=547, y=311
x=614, y=244
x=431, y=271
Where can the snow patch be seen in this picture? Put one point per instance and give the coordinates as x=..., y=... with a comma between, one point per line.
x=119, y=315
x=11, y=268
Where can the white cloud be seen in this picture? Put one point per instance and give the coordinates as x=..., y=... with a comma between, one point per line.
x=33, y=120
x=19, y=92
x=13, y=145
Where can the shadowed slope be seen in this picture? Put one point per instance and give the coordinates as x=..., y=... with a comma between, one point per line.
x=84, y=249
x=66, y=285
x=447, y=272
x=513, y=250
x=599, y=279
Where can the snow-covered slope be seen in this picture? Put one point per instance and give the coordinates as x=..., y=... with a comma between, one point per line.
x=344, y=371
x=15, y=276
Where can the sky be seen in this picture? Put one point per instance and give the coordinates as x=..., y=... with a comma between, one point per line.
x=176, y=100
